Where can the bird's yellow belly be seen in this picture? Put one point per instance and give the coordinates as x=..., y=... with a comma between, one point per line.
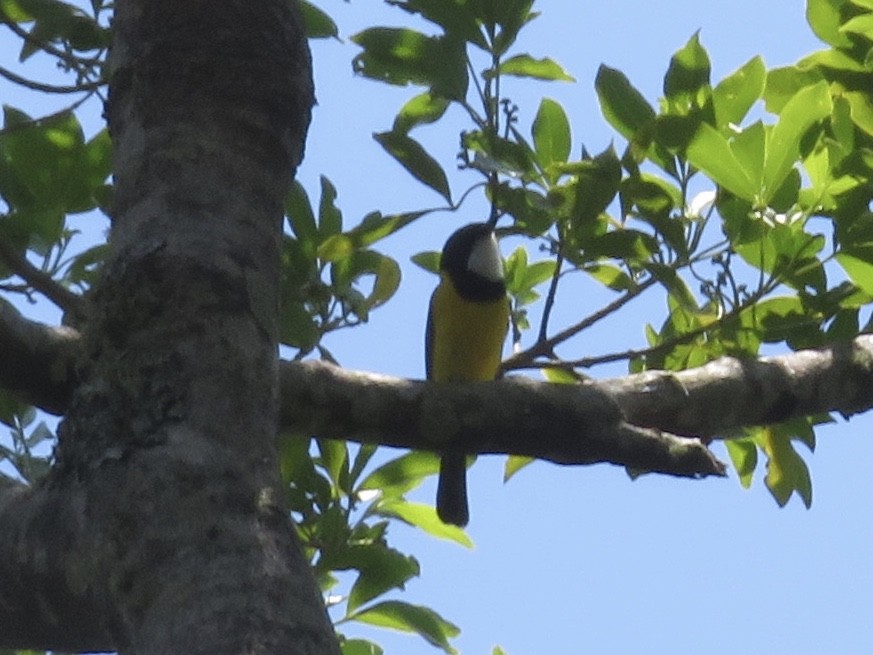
x=467, y=336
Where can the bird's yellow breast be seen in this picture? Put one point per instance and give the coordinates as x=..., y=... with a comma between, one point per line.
x=465, y=337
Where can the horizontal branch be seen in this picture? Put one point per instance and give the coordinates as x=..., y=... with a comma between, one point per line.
x=629, y=420
x=37, y=360
x=717, y=398
x=566, y=424
x=615, y=419
x=40, y=280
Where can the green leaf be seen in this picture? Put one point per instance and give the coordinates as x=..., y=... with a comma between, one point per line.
x=784, y=83
x=457, y=17
x=533, y=213
x=862, y=25
x=334, y=459
x=810, y=105
x=46, y=167
x=295, y=463
x=15, y=11
x=403, y=56
x=514, y=463
x=494, y=154
x=330, y=218
x=858, y=264
x=57, y=23
x=416, y=160
x=301, y=219
x=386, y=283
x=610, y=276
x=402, y=474
x=375, y=227
x=596, y=184
x=349, y=272
x=781, y=247
x=317, y=23
x=423, y=517
x=622, y=105
x=744, y=456
x=824, y=17
x=861, y=109
x=362, y=458
x=560, y=376
x=359, y=647
x=526, y=66
x=734, y=96
x=381, y=569
x=711, y=152
x=297, y=328
x=750, y=149
x=623, y=244
x=11, y=406
x=421, y=109
x=84, y=268
x=656, y=201
x=778, y=319
x=336, y=248
x=676, y=287
x=688, y=71
x=551, y=133
x=428, y=260
x=410, y=618
x=537, y=273
x=515, y=266
x=786, y=471
x=510, y=15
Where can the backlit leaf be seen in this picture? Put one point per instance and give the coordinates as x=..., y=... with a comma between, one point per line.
x=540, y=69
x=551, y=133
x=425, y=518
x=416, y=160
x=735, y=94
x=410, y=618
x=622, y=105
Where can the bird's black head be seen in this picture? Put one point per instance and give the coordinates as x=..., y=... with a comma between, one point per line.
x=471, y=258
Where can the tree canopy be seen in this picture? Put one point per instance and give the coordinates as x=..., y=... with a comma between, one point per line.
x=740, y=206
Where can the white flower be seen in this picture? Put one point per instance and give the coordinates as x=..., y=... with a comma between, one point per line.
x=366, y=495
x=770, y=218
x=700, y=204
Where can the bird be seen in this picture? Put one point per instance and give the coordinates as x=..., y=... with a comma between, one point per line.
x=467, y=322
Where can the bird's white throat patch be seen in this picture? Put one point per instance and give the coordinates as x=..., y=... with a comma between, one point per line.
x=485, y=259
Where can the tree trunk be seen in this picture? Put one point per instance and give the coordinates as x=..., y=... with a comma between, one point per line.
x=162, y=528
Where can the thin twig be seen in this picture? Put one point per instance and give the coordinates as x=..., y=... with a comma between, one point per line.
x=679, y=339
x=36, y=122
x=525, y=359
x=553, y=290
x=46, y=88
x=72, y=60
x=40, y=280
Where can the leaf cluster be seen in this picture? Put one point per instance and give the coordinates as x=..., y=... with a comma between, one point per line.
x=717, y=200
x=344, y=507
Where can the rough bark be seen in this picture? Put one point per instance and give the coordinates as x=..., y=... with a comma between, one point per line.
x=161, y=528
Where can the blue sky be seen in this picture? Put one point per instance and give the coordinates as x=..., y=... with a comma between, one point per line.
x=576, y=560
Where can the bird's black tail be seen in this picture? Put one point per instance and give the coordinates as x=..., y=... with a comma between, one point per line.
x=452, y=490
